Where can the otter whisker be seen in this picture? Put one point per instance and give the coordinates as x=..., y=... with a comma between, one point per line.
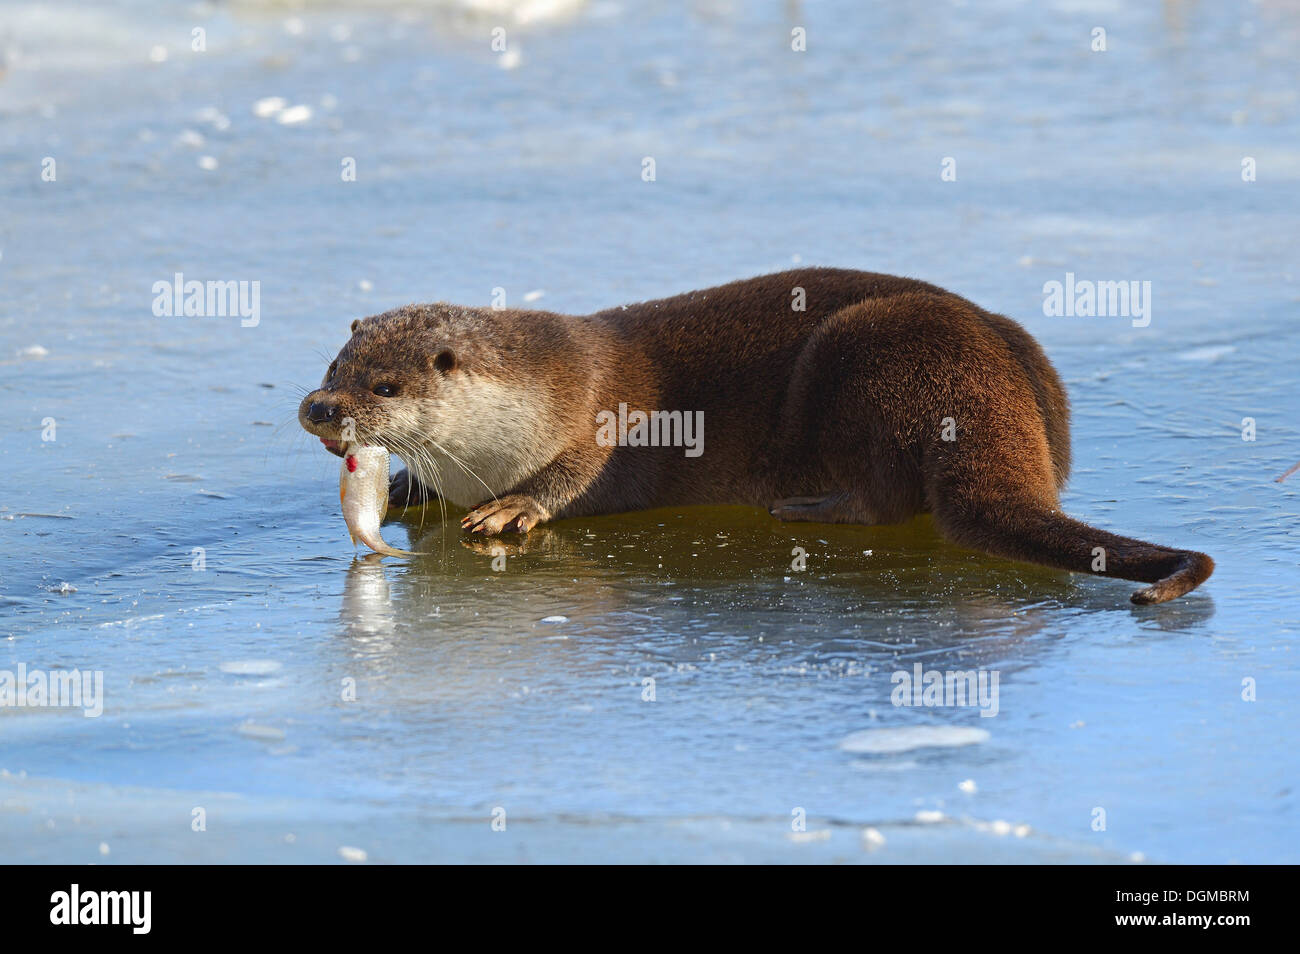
x=415, y=460
x=463, y=466
x=419, y=462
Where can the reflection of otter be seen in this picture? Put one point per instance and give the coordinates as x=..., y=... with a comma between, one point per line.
x=829, y=395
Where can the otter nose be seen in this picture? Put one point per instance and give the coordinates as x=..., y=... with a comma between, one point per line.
x=319, y=412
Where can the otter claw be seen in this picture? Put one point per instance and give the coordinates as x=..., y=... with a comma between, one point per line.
x=513, y=513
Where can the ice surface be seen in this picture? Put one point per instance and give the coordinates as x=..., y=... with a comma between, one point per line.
x=893, y=741
x=699, y=693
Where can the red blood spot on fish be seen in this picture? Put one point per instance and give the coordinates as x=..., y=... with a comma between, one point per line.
x=352, y=465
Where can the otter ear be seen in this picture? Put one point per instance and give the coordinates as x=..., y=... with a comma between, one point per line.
x=355, y=325
x=445, y=362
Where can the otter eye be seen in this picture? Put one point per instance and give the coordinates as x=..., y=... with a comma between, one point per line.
x=384, y=390
x=334, y=366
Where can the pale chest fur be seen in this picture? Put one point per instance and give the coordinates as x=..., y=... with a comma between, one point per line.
x=478, y=438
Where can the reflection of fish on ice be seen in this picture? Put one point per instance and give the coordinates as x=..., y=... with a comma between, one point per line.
x=366, y=609
x=363, y=492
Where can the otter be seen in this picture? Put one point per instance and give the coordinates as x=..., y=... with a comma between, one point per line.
x=829, y=395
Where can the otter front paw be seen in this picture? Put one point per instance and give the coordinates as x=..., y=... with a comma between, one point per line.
x=405, y=491
x=511, y=512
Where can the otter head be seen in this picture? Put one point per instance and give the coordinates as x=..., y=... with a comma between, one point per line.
x=449, y=390
x=388, y=363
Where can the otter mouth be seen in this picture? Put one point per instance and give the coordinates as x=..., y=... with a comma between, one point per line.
x=336, y=447
x=326, y=433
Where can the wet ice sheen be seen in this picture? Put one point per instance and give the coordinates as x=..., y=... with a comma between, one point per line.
x=700, y=693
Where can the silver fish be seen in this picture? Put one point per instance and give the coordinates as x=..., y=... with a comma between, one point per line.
x=363, y=491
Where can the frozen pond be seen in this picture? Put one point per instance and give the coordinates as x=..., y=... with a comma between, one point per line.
x=308, y=702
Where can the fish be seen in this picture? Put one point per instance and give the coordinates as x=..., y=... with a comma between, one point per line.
x=363, y=492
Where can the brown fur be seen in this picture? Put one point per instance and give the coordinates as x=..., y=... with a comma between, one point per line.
x=835, y=413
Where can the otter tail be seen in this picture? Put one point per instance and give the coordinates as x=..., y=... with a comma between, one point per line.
x=1030, y=531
